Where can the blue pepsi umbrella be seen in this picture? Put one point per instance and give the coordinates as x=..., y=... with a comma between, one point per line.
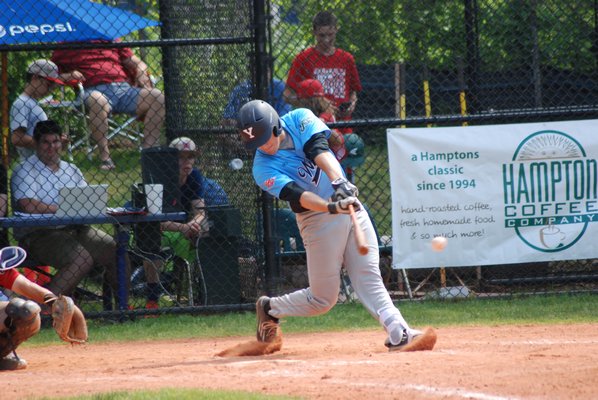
x=48, y=21
x=45, y=21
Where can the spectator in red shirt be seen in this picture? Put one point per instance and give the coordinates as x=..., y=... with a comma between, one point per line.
x=115, y=80
x=333, y=67
x=20, y=318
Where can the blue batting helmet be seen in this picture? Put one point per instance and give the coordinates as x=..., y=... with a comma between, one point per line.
x=257, y=121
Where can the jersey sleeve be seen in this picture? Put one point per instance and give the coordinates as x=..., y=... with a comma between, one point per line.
x=23, y=184
x=8, y=278
x=302, y=124
x=269, y=178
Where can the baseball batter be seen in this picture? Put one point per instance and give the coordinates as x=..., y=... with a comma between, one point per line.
x=294, y=163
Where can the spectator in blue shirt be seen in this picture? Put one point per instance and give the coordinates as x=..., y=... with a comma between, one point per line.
x=197, y=192
x=243, y=92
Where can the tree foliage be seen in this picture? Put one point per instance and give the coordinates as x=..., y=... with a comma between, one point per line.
x=432, y=32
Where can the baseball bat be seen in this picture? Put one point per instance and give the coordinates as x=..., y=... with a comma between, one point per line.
x=358, y=232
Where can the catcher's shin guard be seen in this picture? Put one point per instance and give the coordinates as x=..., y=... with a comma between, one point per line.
x=22, y=322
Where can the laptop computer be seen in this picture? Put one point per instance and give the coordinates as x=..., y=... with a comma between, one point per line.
x=82, y=201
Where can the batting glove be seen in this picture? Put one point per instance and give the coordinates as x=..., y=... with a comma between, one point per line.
x=342, y=206
x=343, y=189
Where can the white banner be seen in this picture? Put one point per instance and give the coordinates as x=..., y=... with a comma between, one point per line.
x=500, y=194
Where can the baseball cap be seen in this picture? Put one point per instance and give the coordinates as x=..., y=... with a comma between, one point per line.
x=310, y=88
x=46, y=69
x=355, y=151
x=183, y=144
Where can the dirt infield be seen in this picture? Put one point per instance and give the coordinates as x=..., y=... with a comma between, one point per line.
x=488, y=363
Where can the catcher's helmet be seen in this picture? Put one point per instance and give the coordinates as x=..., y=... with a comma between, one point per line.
x=257, y=122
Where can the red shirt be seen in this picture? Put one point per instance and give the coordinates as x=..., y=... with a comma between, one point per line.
x=7, y=279
x=97, y=65
x=337, y=73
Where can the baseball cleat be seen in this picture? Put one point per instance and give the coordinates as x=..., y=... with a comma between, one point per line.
x=414, y=340
x=267, y=325
x=12, y=363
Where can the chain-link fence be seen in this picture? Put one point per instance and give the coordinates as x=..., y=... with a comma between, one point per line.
x=424, y=64
x=416, y=64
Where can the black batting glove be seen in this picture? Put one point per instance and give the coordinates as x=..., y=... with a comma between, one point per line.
x=343, y=189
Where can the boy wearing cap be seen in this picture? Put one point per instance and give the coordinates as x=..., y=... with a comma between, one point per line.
x=25, y=112
x=197, y=192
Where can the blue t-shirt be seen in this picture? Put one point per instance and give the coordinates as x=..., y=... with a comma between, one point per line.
x=198, y=186
x=242, y=93
x=274, y=172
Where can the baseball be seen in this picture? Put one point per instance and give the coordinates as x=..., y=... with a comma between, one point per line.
x=235, y=164
x=439, y=243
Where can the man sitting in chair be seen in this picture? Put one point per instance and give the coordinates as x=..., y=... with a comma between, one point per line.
x=25, y=112
x=115, y=80
x=75, y=249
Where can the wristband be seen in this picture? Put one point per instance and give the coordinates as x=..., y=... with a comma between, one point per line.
x=332, y=208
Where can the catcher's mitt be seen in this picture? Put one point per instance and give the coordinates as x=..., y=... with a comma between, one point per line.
x=68, y=320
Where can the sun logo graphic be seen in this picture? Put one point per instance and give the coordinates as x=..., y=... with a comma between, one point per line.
x=550, y=191
x=269, y=182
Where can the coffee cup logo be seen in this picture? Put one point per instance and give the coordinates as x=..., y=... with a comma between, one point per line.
x=551, y=237
x=549, y=165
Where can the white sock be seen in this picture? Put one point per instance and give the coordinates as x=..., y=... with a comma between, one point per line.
x=394, y=323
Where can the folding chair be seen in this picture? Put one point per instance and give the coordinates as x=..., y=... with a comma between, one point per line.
x=128, y=128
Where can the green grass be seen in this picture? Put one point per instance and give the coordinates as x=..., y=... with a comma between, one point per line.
x=517, y=310
x=552, y=309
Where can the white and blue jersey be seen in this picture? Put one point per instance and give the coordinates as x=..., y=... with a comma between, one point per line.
x=328, y=238
x=274, y=172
